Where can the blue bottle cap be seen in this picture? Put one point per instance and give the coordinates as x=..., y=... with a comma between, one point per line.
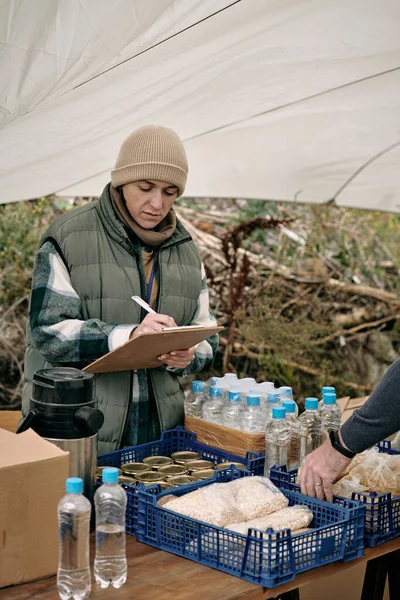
x=234, y=396
x=215, y=391
x=109, y=475
x=278, y=412
x=289, y=405
x=330, y=398
x=286, y=391
x=328, y=389
x=273, y=397
x=311, y=403
x=197, y=386
x=74, y=485
x=253, y=400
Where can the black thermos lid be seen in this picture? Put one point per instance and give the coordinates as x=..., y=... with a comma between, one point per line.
x=63, y=385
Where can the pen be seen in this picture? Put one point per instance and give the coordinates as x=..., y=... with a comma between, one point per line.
x=143, y=304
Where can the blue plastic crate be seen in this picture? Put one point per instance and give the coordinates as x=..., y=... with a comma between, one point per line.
x=265, y=558
x=173, y=440
x=382, y=514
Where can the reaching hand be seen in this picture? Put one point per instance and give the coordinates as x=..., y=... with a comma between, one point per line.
x=320, y=470
x=153, y=322
x=179, y=358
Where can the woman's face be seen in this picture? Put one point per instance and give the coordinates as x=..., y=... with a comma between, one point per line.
x=149, y=201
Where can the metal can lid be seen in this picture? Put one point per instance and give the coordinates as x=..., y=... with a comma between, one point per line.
x=157, y=461
x=180, y=480
x=184, y=456
x=125, y=479
x=199, y=465
x=204, y=474
x=173, y=470
x=134, y=468
x=150, y=477
x=226, y=465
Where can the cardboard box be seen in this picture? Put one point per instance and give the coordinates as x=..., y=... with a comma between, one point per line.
x=225, y=438
x=32, y=482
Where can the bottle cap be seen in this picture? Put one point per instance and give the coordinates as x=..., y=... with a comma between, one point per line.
x=253, y=400
x=230, y=375
x=197, y=386
x=234, y=396
x=278, y=412
x=328, y=389
x=311, y=403
x=254, y=391
x=74, y=485
x=248, y=380
x=330, y=398
x=215, y=391
x=289, y=405
x=273, y=397
x=286, y=392
x=110, y=475
x=268, y=384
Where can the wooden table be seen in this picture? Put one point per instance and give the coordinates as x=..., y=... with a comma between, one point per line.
x=157, y=575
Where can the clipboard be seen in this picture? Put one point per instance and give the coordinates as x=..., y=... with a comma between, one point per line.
x=142, y=351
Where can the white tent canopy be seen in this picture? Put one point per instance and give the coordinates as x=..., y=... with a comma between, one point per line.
x=291, y=100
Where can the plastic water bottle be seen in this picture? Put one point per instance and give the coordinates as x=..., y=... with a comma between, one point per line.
x=277, y=439
x=73, y=575
x=310, y=428
x=286, y=393
x=212, y=408
x=253, y=418
x=195, y=399
x=327, y=389
x=110, y=564
x=293, y=461
x=331, y=415
x=232, y=412
x=273, y=400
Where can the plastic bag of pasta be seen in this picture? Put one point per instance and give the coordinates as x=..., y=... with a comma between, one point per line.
x=292, y=517
x=257, y=496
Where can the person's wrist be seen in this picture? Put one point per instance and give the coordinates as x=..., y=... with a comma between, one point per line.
x=335, y=439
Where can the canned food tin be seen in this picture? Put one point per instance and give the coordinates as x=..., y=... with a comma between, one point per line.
x=155, y=462
x=125, y=479
x=171, y=470
x=150, y=477
x=134, y=468
x=164, y=485
x=199, y=465
x=180, y=480
x=204, y=474
x=225, y=465
x=181, y=457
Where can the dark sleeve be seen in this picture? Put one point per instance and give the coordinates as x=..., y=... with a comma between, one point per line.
x=379, y=417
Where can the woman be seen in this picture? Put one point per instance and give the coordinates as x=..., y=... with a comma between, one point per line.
x=93, y=259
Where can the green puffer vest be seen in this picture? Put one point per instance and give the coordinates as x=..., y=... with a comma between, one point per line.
x=106, y=270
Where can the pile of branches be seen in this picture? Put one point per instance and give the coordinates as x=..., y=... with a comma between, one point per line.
x=310, y=311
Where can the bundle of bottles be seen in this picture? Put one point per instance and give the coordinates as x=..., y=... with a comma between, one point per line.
x=251, y=407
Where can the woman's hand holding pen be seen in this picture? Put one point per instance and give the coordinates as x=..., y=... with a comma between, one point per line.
x=153, y=322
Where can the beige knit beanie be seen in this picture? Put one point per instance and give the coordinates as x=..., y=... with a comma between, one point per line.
x=151, y=152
